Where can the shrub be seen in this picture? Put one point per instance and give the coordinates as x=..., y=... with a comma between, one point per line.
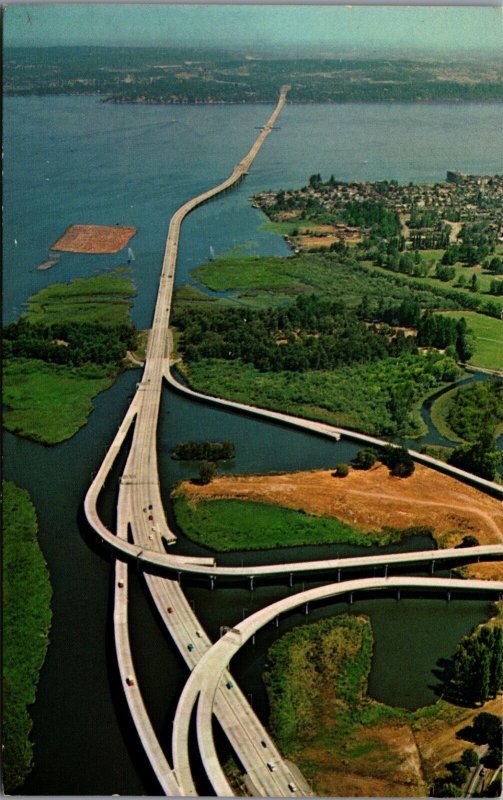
x=365, y=459
x=341, y=470
x=207, y=472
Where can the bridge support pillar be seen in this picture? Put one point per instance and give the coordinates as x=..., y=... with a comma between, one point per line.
x=179, y=576
x=339, y=575
x=307, y=609
x=432, y=567
x=350, y=598
x=448, y=597
x=385, y=570
x=398, y=594
x=291, y=580
x=276, y=622
x=253, y=639
x=251, y=583
x=212, y=582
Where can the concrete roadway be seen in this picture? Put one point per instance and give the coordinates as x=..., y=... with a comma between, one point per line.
x=210, y=674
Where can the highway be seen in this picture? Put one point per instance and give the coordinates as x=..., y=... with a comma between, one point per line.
x=141, y=518
x=143, y=530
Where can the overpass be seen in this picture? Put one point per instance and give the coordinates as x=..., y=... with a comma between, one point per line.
x=210, y=675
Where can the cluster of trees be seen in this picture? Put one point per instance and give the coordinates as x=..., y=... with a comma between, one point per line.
x=428, y=238
x=486, y=729
x=70, y=343
x=390, y=258
x=478, y=667
x=312, y=333
x=476, y=410
x=398, y=460
x=209, y=451
x=433, y=330
x=481, y=458
x=475, y=243
x=382, y=221
x=451, y=784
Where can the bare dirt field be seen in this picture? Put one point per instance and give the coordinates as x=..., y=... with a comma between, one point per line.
x=389, y=764
x=94, y=239
x=371, y=499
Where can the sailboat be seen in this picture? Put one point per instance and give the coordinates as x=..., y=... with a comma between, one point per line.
x=130, y=254
x=212, y=253
x=15, y=242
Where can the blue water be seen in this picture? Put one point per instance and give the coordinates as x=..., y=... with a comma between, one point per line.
x=73, y=160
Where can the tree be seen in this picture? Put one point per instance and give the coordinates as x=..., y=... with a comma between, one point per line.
x=364, y=459
x=342, y=470
x=487, y=728
x=458, y=773
x=469, y=758
x=474, y=283
x=207, y=472
x=469, y=541
x=441, y=788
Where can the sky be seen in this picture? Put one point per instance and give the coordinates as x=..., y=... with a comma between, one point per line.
x=322, y=28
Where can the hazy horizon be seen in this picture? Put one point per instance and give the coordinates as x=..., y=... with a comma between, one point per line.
x=326, y=31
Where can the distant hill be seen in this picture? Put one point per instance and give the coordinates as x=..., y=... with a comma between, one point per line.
x=174, y=75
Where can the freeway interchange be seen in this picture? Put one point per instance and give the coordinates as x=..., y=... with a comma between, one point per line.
x=142, y=531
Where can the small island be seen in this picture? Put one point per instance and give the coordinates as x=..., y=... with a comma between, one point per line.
x=204, y=451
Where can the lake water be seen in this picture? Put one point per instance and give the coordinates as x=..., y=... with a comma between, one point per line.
x=73, y=159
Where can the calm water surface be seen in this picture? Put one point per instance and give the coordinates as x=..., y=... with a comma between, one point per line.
x=71, y=159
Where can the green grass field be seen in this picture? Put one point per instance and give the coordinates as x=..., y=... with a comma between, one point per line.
x=26, y=593
x=103, y=298
x=49, y=403
x=488, y=334
x=269, y=280
x=226, y=525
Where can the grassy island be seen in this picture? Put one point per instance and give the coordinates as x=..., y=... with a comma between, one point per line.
x=344, y=742
x=26, y=622
x=66, y=348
